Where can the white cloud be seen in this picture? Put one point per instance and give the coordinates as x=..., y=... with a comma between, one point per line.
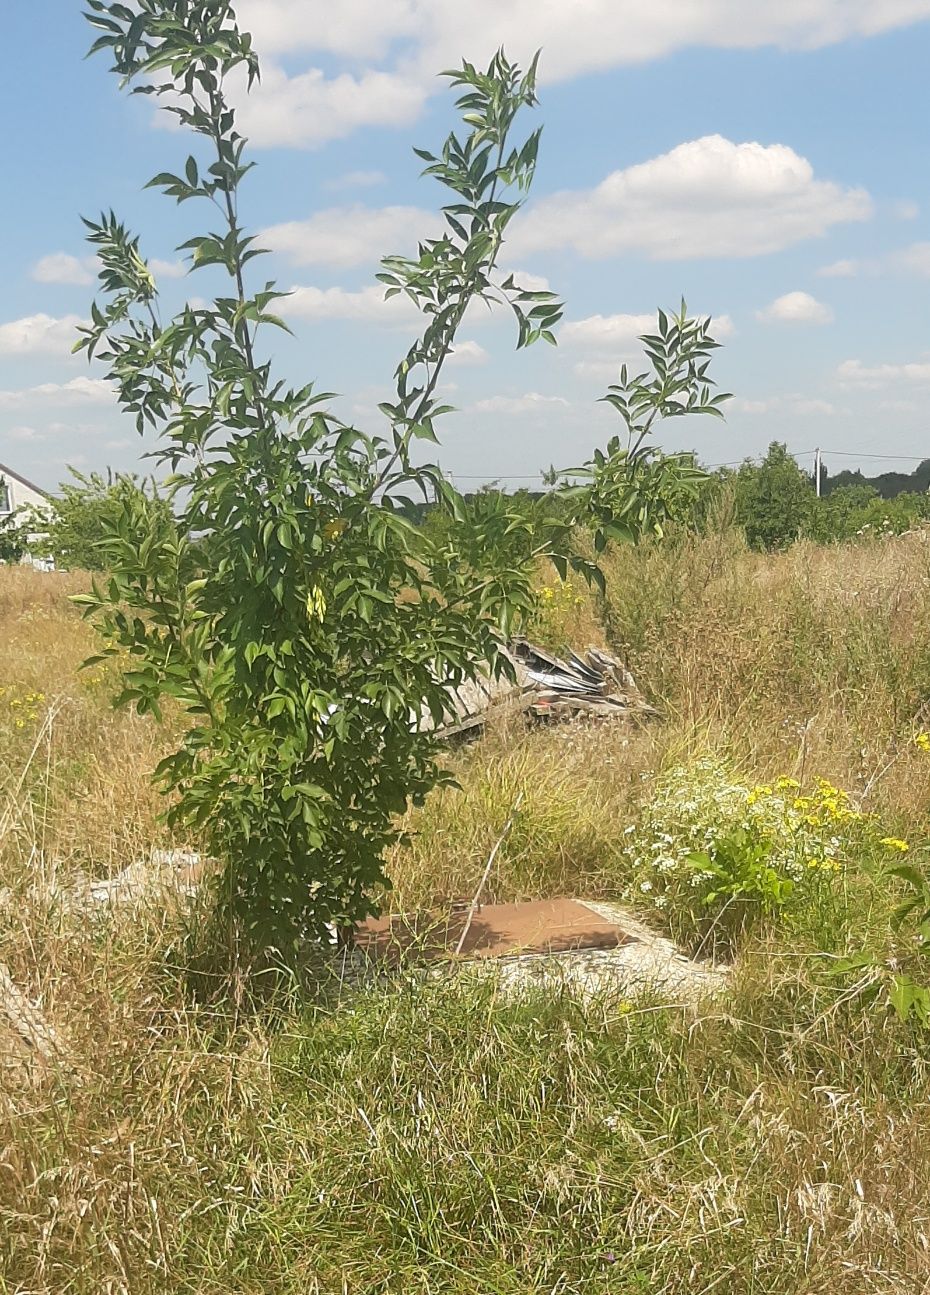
x=310, y=109
x=527, y=403
x=418, y=37
x=529, y=282
x=23, y=434
x=911, y=260
x=608, y=340
x=792, y=404
x=366, y=304
x=706, y=198
x=60, y=267
x=844, y=269
x=79, y=391
x=814, y=406
x=796, y=308
x=468, y=353
x=914, y=260
x=613, y=334
x=356, y=180
x=906, y=210
x=343, y=236
x=167, y=269
x=741, y=405
x=39, y=335
x=853, y=373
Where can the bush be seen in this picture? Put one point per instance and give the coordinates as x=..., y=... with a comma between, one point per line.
x=715, y=856
x=80, y=521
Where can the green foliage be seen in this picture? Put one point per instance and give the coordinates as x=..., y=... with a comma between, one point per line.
x=775, y=503
x=900, y=982
x=80, y=523
x=634, y=490
x=295, y=612
x=774, y=500
x=715, y=856
x=15, y=532
x=887, y=485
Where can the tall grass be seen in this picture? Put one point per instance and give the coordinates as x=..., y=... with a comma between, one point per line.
x=439, y=1137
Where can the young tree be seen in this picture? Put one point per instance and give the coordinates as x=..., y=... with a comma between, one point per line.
x=78, y=524
x=774, y=499
x=307, y=626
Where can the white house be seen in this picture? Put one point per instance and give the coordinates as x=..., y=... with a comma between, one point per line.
x=16, y=492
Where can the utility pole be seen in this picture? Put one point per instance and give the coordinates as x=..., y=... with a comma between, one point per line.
x=817, y=472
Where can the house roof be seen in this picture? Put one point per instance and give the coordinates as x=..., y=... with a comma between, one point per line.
x=23, y=481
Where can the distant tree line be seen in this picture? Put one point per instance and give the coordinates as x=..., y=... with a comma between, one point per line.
x=775, y=501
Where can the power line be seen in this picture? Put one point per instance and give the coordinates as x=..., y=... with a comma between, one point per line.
x=729, y=463
x=896, y=458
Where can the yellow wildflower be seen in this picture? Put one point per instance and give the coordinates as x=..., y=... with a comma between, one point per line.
x=922, y=741
x=895, y=843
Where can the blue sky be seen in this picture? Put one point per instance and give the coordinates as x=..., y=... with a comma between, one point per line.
x=771, y=163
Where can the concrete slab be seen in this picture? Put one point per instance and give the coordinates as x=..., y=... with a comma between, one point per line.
x=585, y=946
x=541, y=927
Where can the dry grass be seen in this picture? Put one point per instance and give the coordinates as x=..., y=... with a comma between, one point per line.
x=439, y=1139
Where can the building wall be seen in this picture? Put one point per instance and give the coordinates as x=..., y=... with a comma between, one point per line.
x=19, y=496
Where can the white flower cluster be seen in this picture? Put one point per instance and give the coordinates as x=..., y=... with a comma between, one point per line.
x=705, y=832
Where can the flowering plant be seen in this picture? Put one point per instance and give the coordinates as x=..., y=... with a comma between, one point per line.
x=714, y=854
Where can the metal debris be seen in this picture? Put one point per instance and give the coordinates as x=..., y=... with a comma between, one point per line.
x=547, y=687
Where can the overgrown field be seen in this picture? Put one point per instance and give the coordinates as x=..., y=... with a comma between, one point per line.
x=436, y=1138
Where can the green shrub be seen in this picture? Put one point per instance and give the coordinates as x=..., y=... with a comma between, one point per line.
x=715, y=856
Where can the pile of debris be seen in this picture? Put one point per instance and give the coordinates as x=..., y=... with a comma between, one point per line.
x=548, y=687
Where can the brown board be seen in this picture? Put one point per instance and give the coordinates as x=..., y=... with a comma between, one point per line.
x=496, y=931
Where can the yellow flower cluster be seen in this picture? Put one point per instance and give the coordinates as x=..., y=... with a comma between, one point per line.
x=23, y=708
x=824, y=865
x=564, y=595
x=895, y=843
x=922, y=741
x=91, y=679
x=826, y=805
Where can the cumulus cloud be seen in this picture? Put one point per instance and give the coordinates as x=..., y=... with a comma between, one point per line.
x=79, y=391
x=468, y=353
x=844, y=269
x=527, y=403
x=365, y=304
x=803, y=405
x=906, y=210
x=913, y=260
x=310, y=109
x=796, y=308
x=39, y=335
x=709, y=197
x=342, y=236
x=60, y=267
x=167, y=269
x=608, y=340
x=617, y=334
x=853, y=373
x=414, y=38
x=743, y=405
